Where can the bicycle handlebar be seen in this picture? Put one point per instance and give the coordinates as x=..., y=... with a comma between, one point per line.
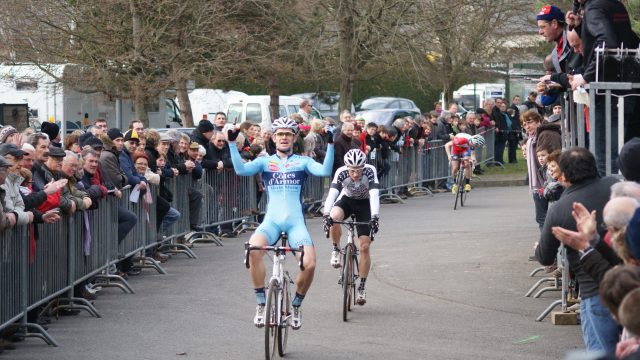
x=351, y=223
x=277, y=249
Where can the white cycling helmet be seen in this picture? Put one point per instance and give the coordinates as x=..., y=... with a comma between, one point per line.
x=355, y=158
x=477, y=140
x=284, y=123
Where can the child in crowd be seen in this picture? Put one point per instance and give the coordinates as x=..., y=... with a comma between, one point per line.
x=553, y=183
x=357, y=131
x=371, y=141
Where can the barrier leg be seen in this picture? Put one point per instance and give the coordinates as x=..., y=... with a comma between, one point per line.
x=548, y=310
x=112, y=280
x=536, y=270
x=177, y=249
x=555, y=287
x=25, y=330
x=203, y=236
x=150, y=263
x=538, y=283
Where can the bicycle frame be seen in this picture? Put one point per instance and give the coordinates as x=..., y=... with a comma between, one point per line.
x=278, y=297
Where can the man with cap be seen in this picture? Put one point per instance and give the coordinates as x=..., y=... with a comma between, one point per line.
x=12, y=200
x=53, y=131
x=50, y=172
x=202, y=134
x=131, y=140
x=9, y=134
x=43, y=199
x=7, y=219
x=551, y=26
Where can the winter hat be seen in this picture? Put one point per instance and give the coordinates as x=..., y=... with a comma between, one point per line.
x=6, y=131
x=550, y=12
x=629, y=160
x=93, y=142
x=205, y=126
x=114, y=133
x=51, y=129
x=131, y=135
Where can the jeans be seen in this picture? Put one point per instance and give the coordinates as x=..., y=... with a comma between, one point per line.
x=170, y=218
x=541, y=204
x=599, y=331
x=126, y=221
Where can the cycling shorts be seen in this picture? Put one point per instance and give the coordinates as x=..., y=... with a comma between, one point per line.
x=295, y=228
x=458, y=153
x=362, y=210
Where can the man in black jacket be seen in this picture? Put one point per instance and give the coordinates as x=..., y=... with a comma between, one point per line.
x=578, y=167
x=607, y=22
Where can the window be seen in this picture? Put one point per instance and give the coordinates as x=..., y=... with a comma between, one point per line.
x=282, y=111
x=292, y=109
x=235, y=111
x=26, y=85
x=254, y=113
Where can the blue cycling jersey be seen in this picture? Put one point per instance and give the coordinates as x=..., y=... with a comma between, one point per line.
x=284, y=181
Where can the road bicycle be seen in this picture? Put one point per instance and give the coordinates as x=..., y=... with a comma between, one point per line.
x=278, y=306
x=459, y=180
x=350, y=271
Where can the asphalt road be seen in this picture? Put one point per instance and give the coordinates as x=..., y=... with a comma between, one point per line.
x=444, y=285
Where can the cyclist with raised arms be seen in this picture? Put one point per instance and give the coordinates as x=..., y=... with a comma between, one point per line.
x=283, y=174
x=355, y=186
x=462, y=147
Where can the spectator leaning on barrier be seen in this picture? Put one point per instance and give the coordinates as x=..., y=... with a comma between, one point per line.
x=186, y=167
x=80, y=199
x=218, y=156
x=7, y=218
x=90, y=180
x=130, y=143
x=12, y=199
x=582, y=184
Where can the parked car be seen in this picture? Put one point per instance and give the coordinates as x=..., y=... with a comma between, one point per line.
x=375, y=103
x=385, y=116
x=182, y=130
x=325, y=101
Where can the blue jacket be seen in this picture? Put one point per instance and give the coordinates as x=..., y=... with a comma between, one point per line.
x=126, y=163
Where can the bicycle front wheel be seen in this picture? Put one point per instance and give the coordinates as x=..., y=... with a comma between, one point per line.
x=458, y=181
x=271, y=327
x=347, y=281
x=285, y=315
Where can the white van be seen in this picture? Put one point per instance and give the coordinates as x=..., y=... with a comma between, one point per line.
x=481, y=91
x=255, y=108
x=210, y=101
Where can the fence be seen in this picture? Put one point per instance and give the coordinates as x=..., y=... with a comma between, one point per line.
x=84, y=246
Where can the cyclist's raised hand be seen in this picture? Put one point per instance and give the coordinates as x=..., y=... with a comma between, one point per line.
x=327, y=222
x=374, y=225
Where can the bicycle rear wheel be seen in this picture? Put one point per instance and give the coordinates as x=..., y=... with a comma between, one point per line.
x=463, y=194
x=347, y=281
x=285, y=315
x=271, y=328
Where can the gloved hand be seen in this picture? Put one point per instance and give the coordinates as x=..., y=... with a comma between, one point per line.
x=329, y=137
x=327, y=222
x=374, y=224
x=232, y=135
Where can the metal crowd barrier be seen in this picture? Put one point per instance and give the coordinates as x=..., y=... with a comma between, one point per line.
x=14, y=245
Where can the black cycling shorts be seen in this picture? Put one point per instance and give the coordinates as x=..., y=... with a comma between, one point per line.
x=362, y=210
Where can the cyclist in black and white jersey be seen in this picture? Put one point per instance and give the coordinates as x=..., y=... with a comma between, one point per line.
x=355, y=186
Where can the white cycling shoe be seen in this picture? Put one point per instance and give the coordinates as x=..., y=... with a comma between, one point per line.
x=296, y=318
x=335, y=258
x=361, y=298
x=258, y=320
